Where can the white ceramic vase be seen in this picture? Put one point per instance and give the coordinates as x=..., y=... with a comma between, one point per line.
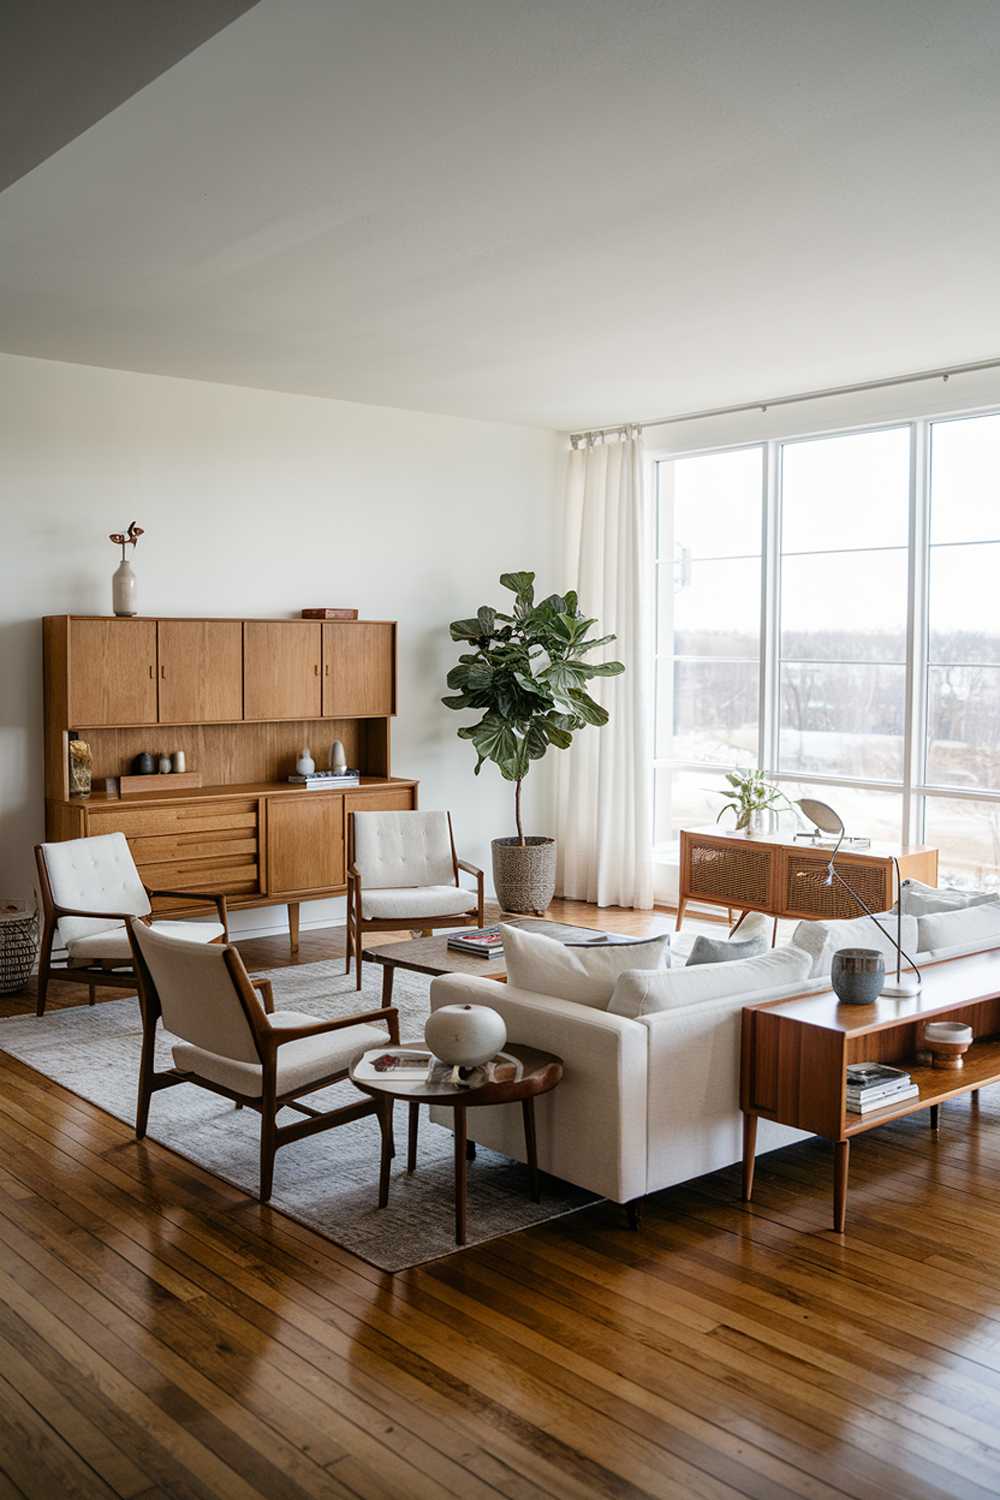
x=465, y=1035
x=338, y=760
x=124, y=592
x=305, y=765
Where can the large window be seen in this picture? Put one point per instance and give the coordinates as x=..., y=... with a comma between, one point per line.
x=826, y=609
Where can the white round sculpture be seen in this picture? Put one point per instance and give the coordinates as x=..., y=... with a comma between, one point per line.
x=465, y=1035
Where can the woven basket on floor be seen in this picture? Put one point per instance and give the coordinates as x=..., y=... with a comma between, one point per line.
x=18, y=946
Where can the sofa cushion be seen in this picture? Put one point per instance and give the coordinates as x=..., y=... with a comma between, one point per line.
x=586, y=975
x=921, y=900
x=642, y=994
x=753, y=939
x=821, y=940
x=948, y=929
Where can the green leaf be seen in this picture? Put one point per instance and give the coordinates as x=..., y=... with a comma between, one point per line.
x=465, y=630
x=587, y=709
x=603, y=640
x=462, y=700
x=557, y=734
x=487, y=619
x=606, y=669
x=521, y=584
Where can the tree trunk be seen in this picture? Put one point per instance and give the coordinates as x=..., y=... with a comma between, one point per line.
x=517, y=812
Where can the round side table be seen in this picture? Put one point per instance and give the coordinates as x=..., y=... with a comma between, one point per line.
x=541, y=1072
x=18, y=945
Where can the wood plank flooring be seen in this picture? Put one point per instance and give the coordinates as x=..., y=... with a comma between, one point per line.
x=163, y=1335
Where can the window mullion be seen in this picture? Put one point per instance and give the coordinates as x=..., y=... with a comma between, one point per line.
x=770, y=618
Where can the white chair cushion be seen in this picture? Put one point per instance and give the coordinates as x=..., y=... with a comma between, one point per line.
x=198, y=996
x=403, y=848
x=821, y=940
x=299, y=1063
x=417, y=901
x=921, y=900
x=113, y=943
x=643, y=994
x=544, y=966
x=94, y=874
x=948, y=929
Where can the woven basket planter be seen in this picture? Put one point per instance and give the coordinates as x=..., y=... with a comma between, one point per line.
x=524, y=875
x=18, y=946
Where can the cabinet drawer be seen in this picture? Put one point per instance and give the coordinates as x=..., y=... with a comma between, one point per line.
x=165, y=847
x=391, y=799
x=236, y=876
x=181, y=817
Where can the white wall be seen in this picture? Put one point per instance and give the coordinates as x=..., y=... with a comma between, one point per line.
x=256, y=503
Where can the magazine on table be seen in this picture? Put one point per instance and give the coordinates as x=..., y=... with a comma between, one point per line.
x=883, y=1101
x=398, y=1064
x=486, y=942
x=501, y=1069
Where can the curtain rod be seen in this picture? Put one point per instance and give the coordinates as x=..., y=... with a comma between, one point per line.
x=943, y=373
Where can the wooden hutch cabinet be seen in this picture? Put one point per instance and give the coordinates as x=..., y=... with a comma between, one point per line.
x=240, y=698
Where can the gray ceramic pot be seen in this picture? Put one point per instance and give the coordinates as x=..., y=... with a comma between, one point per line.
x=857, y=975
x=524, y=876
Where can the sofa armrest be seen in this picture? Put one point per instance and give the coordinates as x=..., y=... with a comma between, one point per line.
x=592, y=1127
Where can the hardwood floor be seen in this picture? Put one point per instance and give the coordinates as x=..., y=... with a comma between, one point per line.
x=163, y=1335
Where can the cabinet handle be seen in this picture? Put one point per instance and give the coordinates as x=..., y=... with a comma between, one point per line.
x=316, y=669
x=163, y=673
x=327, y=670
x=151, y=671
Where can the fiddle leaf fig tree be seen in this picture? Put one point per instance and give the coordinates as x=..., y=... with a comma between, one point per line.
x=528, y=670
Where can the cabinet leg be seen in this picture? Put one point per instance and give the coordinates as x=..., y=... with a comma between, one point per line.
x=841, y=1161
x=293, y=926
x=681, y=908
x=774, y=934
x=461, y=1176
x=749, y=1154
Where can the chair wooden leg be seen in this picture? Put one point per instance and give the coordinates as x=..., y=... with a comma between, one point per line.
x=349, y=947
x=92, y=989
x=267, y=1150
x=44, y=968
x=358, y=976
x=145, y=1081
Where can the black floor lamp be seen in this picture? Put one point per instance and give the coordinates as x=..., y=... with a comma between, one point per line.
x=828, y=821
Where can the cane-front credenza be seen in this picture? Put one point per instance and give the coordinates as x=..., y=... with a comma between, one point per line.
x=784, y=878
x=240, y=698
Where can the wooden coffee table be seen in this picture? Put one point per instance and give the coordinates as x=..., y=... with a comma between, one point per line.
x=542, y=1071
x=431, y=955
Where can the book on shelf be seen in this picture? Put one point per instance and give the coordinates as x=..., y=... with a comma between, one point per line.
x=326, y=780
x=882, y=1101
x=870, y=1075
x=863, y=1095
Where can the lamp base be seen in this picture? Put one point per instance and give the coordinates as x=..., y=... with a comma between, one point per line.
x=905, y=986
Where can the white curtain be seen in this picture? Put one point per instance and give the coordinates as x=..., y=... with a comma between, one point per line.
x=604, y=786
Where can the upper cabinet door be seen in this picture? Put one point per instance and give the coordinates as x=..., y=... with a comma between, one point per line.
x=359, y=668
x=112, y=672
x=201, y=671
x=281, y=660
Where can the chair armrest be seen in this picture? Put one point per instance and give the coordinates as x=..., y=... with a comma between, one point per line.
x=104, y=916
x=266, y=994
x=216, y=898
x=469, y=868
x=279, y=1035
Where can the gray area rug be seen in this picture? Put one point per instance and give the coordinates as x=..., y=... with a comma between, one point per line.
x=328, y=1182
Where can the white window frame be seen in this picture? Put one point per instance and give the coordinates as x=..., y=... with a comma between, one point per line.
x=913, y=787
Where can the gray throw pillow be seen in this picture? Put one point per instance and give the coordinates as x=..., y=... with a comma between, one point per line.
x=706, y=950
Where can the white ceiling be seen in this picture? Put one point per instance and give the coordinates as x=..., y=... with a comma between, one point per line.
x=559, y=212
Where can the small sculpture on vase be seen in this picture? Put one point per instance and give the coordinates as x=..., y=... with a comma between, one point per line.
x=123, y=582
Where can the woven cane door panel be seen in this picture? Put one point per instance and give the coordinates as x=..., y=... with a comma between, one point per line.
x=805, y=895
x=734, y=875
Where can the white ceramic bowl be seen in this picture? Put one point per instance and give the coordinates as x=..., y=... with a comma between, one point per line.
x=465, y=1035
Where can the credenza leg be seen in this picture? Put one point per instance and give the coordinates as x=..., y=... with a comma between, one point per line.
x=293, y=926
x=681, y=908
x=841, y=1160
x=749, y=1154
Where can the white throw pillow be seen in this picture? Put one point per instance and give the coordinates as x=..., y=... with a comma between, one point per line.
x=642, y=994
x=924, y=900
x=587, y=974
x=821, y=940
x=948, y=929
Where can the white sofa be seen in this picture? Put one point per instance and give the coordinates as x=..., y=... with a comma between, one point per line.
x=646, y=1103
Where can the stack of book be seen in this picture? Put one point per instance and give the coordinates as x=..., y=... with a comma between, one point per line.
x=484, y=942
x=872, y=1086
x=327, y=781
